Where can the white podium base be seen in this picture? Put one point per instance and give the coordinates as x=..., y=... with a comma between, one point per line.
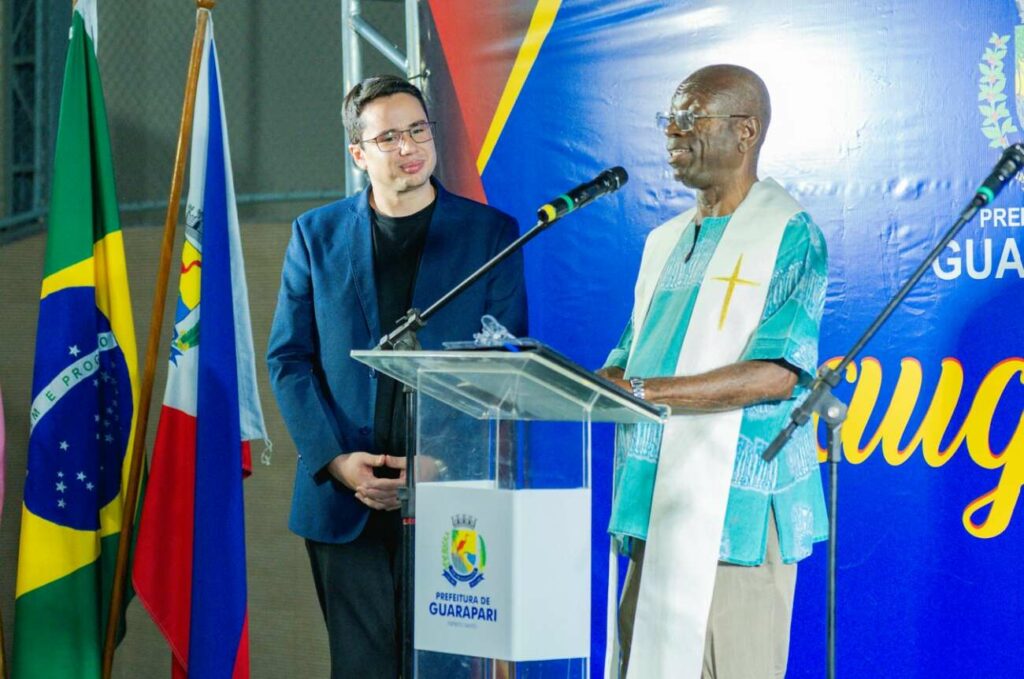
x=502, y=573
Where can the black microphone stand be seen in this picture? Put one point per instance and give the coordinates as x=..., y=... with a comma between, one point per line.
x=832, y=411
x=403, y=338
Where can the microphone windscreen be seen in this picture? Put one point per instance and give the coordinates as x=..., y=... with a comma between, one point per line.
x=619, y=176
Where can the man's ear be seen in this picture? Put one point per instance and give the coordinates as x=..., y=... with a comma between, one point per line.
x=750, y=132
x=358, y=155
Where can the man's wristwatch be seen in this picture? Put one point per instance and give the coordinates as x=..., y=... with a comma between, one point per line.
x=637, y=383
x=442, y=469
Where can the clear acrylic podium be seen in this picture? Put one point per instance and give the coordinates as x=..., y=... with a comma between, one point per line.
x=502, y=502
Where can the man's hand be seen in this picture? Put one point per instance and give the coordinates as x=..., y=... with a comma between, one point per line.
x=732, y=386
x=427, y=468
x=616, y=376
x=355, y=471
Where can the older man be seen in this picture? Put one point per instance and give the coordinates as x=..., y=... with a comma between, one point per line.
x=725, y=331
x=351, y=271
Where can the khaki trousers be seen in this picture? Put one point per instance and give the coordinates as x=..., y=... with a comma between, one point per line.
x=748, y=628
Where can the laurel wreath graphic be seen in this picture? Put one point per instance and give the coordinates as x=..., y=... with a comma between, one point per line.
x=997, y=124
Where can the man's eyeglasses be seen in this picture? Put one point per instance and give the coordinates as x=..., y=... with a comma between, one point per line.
x=390, y=141
x=686, y=119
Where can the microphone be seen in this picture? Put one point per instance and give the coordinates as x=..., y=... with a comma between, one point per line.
x=1009, y=164
x=608, y=181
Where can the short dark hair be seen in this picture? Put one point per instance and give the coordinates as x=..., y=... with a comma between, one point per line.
x=366, y=91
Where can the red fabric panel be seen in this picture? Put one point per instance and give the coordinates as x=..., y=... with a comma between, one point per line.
x=241, y=670
x=480, y=42
x=246, y=459
x=162, y=572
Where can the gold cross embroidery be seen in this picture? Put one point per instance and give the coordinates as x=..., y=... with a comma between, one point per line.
x=733, y=281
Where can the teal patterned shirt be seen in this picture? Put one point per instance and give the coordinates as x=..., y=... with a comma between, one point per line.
x=788, y=331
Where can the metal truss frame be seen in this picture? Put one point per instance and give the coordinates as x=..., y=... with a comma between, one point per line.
x=353, y=27
x=24, y=103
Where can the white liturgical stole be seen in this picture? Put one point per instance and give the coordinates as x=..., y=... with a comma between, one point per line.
x=698, y=450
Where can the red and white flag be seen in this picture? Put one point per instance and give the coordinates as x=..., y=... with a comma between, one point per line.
x=189, y=567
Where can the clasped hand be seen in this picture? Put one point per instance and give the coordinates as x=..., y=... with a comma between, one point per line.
x=355, y=471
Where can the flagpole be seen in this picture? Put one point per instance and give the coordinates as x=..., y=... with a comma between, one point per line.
x=155, y=330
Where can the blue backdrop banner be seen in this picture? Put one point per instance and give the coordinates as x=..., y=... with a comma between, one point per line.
x=886, y=116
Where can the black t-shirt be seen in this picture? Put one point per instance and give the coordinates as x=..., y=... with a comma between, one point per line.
x=397, y=247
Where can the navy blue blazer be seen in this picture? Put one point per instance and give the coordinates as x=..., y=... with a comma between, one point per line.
x=328, y=306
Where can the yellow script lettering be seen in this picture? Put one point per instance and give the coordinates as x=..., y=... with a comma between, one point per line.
x=935, y=425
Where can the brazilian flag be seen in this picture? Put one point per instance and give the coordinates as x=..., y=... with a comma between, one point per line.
x=84, y=393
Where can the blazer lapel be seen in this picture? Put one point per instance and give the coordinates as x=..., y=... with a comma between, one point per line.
x=434, y=277
x=361, y=255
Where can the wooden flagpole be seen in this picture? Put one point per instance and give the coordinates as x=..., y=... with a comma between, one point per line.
x=155, y=330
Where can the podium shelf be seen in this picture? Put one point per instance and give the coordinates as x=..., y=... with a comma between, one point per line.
x=525, y=385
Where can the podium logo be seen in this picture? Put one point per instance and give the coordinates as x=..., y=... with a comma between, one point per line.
x=463, y=552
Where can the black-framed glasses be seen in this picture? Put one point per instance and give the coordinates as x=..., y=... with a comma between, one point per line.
x=390, y=140
x=686, y=119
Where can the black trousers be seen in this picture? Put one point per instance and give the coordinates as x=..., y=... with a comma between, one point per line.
x=359, y=587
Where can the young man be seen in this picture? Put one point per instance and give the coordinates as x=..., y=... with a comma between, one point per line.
x=724, y=330
x=352, y=269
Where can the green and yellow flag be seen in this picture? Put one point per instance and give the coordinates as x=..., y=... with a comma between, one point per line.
x=84, y=393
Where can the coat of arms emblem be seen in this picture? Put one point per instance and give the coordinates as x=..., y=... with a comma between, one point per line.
x=463, y=552
x=997, y=122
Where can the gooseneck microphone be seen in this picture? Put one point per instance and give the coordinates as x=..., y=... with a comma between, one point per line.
x=1010, y=163
x=1008, y=166
x=608, y=181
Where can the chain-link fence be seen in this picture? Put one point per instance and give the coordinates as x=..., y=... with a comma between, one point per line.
x=281, y=73
x=280, y=68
